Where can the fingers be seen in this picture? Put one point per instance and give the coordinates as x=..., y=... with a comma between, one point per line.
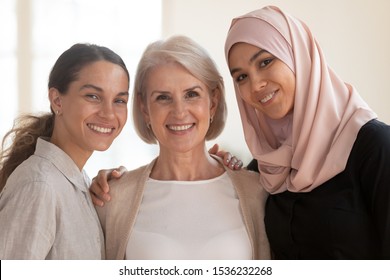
x=227, y=157
x=99, y=188
x=222, y=153
x=238, y=165
x=96, y=201
x=98, y=194
x=100, y=182
x=118, y=172
x=232, y=162
x=214, y=149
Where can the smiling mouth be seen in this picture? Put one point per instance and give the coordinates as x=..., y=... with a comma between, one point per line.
x=268, y=97
x=100, y=129
x=180, y=127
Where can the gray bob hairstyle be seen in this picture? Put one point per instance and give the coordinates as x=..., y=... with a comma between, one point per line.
x=196, y=60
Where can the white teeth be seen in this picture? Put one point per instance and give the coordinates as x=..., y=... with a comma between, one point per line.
x=268, y=97
x=100, y=129
x=179, y=127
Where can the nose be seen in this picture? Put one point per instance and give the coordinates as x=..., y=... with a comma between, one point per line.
x=258, y=83
x=178, y=108
x=106, y=110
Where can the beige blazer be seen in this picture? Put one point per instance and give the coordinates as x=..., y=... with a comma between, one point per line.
x=118, y=216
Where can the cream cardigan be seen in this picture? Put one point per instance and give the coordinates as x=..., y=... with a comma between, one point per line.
x=118, y=216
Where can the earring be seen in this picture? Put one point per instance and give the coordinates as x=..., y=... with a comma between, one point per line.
x=149, y=126
x=211, y=119
x=57, y=112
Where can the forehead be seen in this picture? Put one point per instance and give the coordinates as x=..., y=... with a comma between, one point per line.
x=100, y=69
x=243, y=50
x=103, y=75
x=171, y=74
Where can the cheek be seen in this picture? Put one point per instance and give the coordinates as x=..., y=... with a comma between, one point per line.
x=123, y=117
x=156, y=114
x=121, y=112
x=76, y=112
x=204, y=109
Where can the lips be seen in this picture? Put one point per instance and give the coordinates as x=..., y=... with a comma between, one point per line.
x=100, y=129
x=268, y=97
x=180, y=127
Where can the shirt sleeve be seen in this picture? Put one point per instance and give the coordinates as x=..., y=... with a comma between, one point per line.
x=28, y=221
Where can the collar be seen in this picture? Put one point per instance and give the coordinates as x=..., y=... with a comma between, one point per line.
x=62, y=162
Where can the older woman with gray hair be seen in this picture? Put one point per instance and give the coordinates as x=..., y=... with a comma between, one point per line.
x=185, y=204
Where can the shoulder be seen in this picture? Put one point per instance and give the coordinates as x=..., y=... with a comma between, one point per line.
x=247, y=183
x=130, y=178
x=34, y=172
x=374, y=136
x=372, y=147
x=21, y=193
x=375, y=129
x=37, y=179
x=129, y=187
x=246, y=175
x=35, y=169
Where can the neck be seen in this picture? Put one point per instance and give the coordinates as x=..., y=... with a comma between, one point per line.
x=193, y=165
x=78, y=155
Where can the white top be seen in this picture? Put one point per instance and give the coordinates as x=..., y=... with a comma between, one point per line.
x=46, y=211
x=189, y=220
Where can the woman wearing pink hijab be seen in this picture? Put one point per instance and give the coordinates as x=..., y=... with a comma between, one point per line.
x=321, y=153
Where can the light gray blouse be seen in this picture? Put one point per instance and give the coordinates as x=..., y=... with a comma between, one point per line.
x=46, y=211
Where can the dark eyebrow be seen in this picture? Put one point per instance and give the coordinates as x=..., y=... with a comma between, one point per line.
x=91, y=86
x=253, y=58
x=256, y=55
x=126, y=93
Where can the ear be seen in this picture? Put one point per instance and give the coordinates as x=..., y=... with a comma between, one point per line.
x=55, y=100
x=215, y=97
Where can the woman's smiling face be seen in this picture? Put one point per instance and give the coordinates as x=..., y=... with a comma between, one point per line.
x=94, y=109
x=178, y=108
x=264, y=82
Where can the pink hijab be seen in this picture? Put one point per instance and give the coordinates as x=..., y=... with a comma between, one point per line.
x=312, y=144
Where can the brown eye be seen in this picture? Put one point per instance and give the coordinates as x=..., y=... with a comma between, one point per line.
x=265, y=62
x=240, y=78
x=121, y=101
x=192, y=94
x=92, y=96
x=162, y=97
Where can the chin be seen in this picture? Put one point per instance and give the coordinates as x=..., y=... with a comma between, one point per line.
x=101, y=147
